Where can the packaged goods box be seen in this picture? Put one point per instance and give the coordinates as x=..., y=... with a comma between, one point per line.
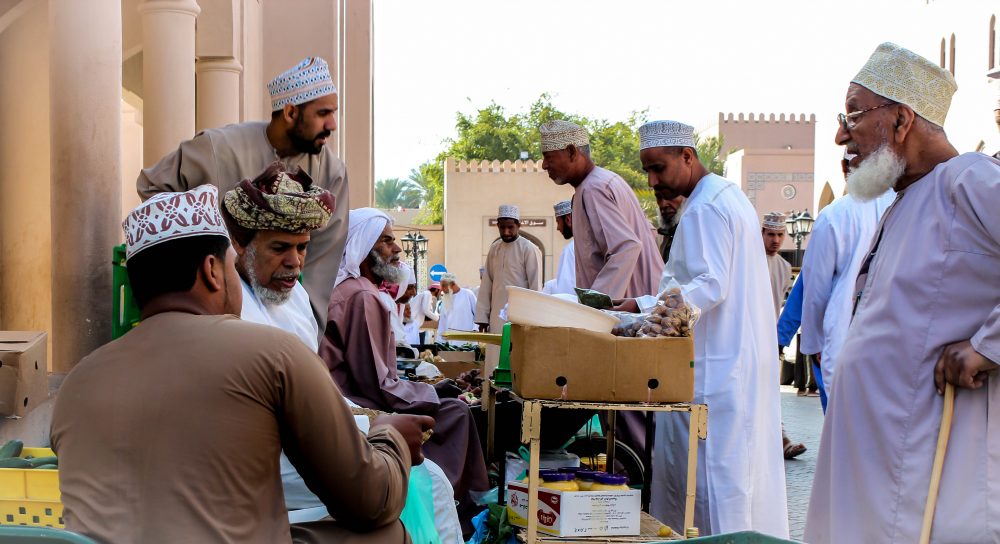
x=577, y=513
x=24, y=373
x=547, y=362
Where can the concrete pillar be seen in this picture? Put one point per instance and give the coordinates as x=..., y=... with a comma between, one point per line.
x=355, y=64
x=218, y=92
x=168, y=81
x=85, y=89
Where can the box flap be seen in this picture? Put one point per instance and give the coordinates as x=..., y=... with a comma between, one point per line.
x=18, y=340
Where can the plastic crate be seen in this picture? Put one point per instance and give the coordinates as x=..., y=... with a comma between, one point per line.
x=31, y=496
x=125, y=312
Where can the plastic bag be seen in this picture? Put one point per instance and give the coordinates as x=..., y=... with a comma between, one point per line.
x=418, y=512
x=594, y=299
x=673, y=315
x=628, y=323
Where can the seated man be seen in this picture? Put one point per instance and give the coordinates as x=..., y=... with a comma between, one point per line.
x=270, y=220
x=358, y=347
x=172, y=432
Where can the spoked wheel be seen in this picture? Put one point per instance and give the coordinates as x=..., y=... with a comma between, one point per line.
x=627, y=461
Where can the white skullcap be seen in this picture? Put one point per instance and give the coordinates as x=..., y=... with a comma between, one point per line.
x=774, y=221
x=563, y=208
x=171, y=216
x=365, y=226
x=558, y=135
x=449, y=277
x=509, y=211
x=905, y=77
x=411, y=279
x=665, y=134
x=306, y=81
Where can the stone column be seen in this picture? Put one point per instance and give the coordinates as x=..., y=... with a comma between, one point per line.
x=218, y=92
x=168, y=82
x=85, y=84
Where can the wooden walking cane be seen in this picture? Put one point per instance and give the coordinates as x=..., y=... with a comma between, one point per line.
x=947, y=411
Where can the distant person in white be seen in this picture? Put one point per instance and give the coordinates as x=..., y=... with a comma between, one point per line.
x=458, y=308
x=565, y=280
x=422, y=307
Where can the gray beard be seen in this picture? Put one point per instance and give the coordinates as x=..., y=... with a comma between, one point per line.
x=268, y=296
x=385, y=269
x=875, y=175
x=448, y=301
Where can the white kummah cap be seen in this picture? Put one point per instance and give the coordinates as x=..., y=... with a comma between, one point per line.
x=365, y=225
x=509, y=211
x=563, y=208
x=559, y=134
x=905, y=77
x=308, y=80
x=171, y=216
x=665, y=134
x=774, y=221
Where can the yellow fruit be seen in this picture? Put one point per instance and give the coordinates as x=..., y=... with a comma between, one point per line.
x=665, y=530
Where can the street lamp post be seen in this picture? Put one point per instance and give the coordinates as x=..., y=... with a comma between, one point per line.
x=415, y=249
x=799, y=225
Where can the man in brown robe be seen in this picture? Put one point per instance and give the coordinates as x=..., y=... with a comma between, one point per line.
x=172, y=432
x=615, y=249
x=304, y=108
x=359, y=349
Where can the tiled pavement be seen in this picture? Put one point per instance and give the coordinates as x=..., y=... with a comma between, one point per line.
x=803, y=419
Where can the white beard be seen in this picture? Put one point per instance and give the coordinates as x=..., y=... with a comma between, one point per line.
x=389, y=271
x=875, y=175
x=448, y=300
x=268, y=296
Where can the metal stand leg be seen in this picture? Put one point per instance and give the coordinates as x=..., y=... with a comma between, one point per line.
x=530, y=433
x=610, y=438
x=647, y=461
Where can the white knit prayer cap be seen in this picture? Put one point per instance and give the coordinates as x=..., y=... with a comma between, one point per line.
x=903, y=76
x=560, y=134
x=304, y=82
x=774, y=221
x=171, y=216
x=665, y=134
x=563, y=208
x=509, y=211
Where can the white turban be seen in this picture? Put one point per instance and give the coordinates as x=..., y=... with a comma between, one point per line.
x=365, y=226
x=411, y=279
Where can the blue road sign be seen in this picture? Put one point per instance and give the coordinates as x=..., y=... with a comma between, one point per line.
x=436, y=271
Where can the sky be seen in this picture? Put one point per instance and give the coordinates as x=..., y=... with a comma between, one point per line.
x=686, y=61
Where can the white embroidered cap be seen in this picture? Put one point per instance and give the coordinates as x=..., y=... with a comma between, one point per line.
x=560, y=134
x=307, y=80
x=509, y=211
x=903, y=76
x=665, y=134
x=774, y=221
x=563, y=208
x=170, y=216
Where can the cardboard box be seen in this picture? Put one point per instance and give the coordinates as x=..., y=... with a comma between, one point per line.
x=23, y=371
x=577, y=513
x=600, y=367
x=457, y=362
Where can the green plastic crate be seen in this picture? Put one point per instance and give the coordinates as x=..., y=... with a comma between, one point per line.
x=125, y=312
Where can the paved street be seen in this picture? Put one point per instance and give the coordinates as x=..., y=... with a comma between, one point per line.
x=803, y=419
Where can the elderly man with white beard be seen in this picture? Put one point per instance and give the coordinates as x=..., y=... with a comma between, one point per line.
x=359, y=349
x=458, y=307
x=927, y=312
x=270, y=220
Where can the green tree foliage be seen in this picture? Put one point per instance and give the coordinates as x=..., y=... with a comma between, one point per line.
x=430, y=178
x=492, y=133
x=395, y=192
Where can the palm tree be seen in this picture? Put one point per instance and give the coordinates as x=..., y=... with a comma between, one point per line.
x=395, y=192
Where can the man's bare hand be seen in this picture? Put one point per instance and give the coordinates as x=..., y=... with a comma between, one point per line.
x=962, y=365
x=483, y=327
x=625, y=305
x=412, y=428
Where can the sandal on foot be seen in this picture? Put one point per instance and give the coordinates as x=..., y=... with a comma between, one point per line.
x=794, y=450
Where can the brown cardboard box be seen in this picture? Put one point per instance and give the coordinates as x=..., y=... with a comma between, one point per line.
x=23, y=371
x=457, y=362
x=600, y=367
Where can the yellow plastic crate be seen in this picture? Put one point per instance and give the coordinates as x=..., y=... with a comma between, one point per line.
x=31, y=496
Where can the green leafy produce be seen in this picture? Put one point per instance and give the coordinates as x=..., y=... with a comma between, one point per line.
x=594, y=299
